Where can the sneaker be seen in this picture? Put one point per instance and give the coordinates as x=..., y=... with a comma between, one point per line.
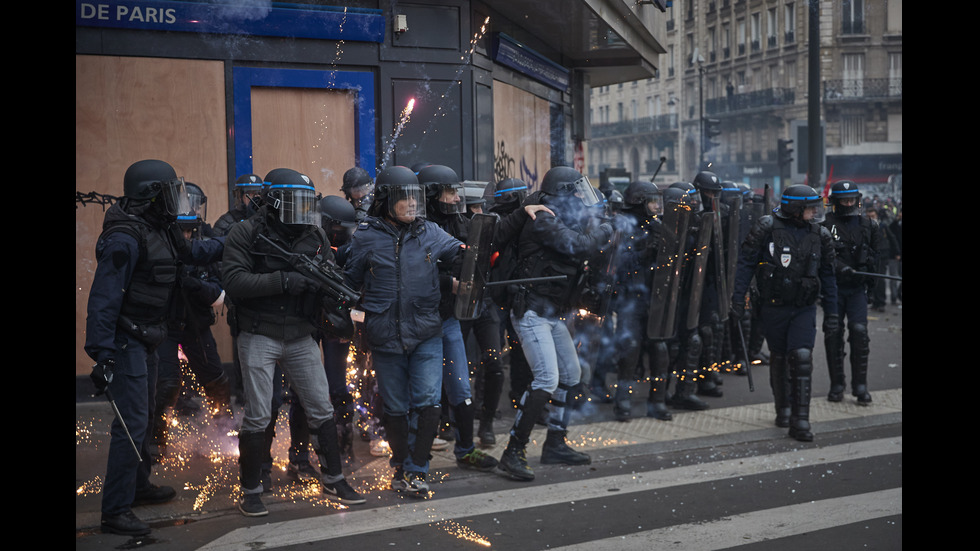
x=251, y=505
x=416, y=484
x=341, y=491
x=439, y=444
x=153, y=495
x=398, y=482
x=513, y=463
x=126, y=524
x=297, y=472
x=477, y=460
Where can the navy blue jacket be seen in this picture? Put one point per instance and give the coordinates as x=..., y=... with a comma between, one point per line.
x=396, y=270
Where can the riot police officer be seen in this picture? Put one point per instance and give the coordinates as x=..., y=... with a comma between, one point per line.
x=857, y=244
x=358, y=188
x=639, y=269
x=551, y=245
x=198, y=293
x=792, y=256
x=248, y=190
x=128, y=308
x=714, y=314
x=445, y=206
x=278, y=310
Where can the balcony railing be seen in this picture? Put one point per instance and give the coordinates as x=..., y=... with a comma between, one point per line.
x=635, y=126
x=867, y=88
x=750, y=100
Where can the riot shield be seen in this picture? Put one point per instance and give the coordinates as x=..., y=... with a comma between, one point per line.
x=476, y=266
x=697, y=267
x=665, y=288
x=732, y=221
x=718, y=263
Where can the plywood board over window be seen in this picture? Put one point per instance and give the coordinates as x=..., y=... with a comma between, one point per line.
x=522, y=129
x=307, y=129
x=132, y=108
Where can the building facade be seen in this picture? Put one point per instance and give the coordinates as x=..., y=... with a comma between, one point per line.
x=217, y=88
x=733, y=85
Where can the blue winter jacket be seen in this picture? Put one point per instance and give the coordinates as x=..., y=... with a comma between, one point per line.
x=396, y=269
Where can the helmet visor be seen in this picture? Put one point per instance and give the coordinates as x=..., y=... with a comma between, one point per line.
x=406, y=203
x=296, y=204
x=174, y=196
x=583, y=189
x=450, y=198
x=360, y=195
x=197, y=207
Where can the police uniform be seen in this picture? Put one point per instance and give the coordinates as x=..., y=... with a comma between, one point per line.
x=793, y=260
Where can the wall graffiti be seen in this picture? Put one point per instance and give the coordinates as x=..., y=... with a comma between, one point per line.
x=505, y=166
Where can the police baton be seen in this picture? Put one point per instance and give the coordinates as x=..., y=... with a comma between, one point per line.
x=883, y=276
x=748, y=364
x=524, y=281
x=115, y=409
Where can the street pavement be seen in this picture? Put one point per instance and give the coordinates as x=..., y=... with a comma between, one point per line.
x=202, y=467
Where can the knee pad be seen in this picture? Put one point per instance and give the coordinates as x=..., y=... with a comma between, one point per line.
x=858, y=334
x=801, y=361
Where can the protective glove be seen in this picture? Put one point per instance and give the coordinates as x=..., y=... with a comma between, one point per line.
x=102, y=374
x=737, y=309
x=295, y=283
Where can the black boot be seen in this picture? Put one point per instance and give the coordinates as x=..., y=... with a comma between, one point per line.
x=513, y=462
x=557, y=451
x=485, y=431
x=464, y=418
x=779, y=383
x=657, y=401
x=860, y=350
x=684, y=397
x=834, y=345
x=801, y=369
x=622, y=404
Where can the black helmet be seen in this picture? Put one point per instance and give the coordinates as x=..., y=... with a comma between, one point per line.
x=707, y=181
x=645, y=195
x=292, y=196
x=358, y=187
x=796, y=199
x=247, y=187
x=197, y=210
x=508, y=192
x=615, y=200
x=394, y=185
x=564, y=181
x=443, y=190
x=845, y=189
x=692, y=197
x=151, y=179
x=337, y=217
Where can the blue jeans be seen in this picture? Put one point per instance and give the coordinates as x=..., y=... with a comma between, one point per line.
x=551, y=354
x=301, y=364
x=133, y=388
x=409, y=382
x=456, y=376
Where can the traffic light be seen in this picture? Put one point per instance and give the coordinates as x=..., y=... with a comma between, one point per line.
x=712, y=128
x=785, y=152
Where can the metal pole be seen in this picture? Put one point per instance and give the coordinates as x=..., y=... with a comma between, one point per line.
x=813, y=100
